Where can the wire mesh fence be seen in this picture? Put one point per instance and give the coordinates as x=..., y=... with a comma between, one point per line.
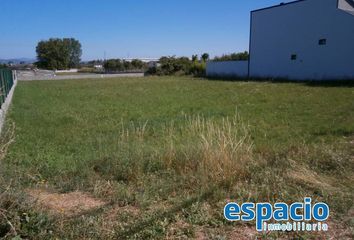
x=6, y=83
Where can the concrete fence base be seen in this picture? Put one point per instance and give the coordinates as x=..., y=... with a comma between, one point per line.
x=5, y=106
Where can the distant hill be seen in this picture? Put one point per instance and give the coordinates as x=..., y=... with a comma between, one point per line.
x=18, y=60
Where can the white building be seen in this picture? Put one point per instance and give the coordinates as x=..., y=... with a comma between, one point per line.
x=303, y=40
x=98, y=66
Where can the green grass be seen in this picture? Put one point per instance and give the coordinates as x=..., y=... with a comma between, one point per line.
x=169, y=144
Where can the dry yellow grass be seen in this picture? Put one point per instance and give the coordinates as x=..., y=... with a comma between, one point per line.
x=65, y=204
x=221, y=150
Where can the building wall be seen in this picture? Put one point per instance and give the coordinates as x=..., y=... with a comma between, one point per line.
x=295, y=29
x=227, y=69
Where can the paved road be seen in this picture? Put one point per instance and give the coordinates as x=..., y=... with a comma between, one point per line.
x=49, y=75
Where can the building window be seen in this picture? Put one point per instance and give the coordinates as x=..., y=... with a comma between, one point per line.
x=322, y=41
x=293, y=57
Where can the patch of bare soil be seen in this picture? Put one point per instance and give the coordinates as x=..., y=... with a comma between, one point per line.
x=177, y=230
x=66, y=204
x=200, y=234
x=117, y=217
x=117, y=211
x=337, y=230
x=243, y=233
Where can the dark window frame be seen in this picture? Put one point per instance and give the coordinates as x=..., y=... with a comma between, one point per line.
x=322, y=41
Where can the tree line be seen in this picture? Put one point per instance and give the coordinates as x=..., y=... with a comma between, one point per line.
x=59, y=54
x=180, y=66
x=118, y=65
x=195, y=66
x=241, y=56
x=165, y=66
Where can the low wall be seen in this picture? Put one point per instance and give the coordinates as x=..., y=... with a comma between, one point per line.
x=227, y=69
x=5, y=106
x=73, y=70
x=32, y=76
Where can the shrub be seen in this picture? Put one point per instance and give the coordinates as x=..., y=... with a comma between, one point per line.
x=118, y=65
x=242, y=56
x=179, y=66
x=198, y=69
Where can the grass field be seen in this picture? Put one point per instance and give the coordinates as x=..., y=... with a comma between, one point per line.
x=165, y=154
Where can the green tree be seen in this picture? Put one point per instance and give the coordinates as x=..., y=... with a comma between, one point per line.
x=110, y=65
x=137, y=64
x=58, y=53
x=179, y=66
x=113, y=65
x=194, y=58
x=205, y=57
x=75, y=52
x=198, y=69
x=127, y=65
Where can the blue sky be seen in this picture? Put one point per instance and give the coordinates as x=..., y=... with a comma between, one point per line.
x=128, y=28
